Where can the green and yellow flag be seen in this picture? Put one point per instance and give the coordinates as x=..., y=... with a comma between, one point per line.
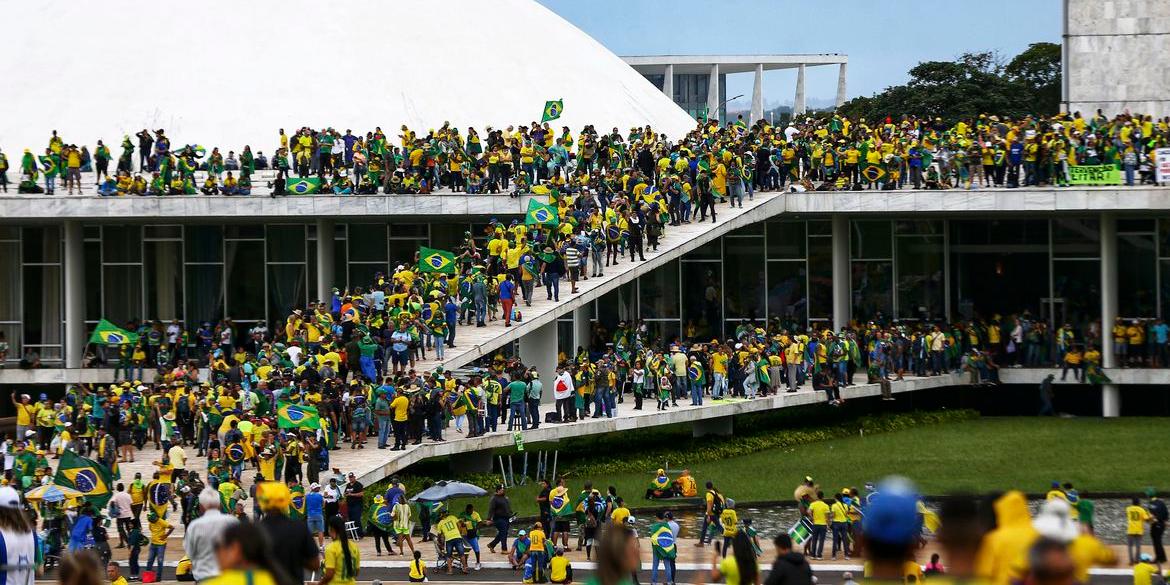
x=107, y=333
x=86, y=476
x=552, y=110
x=303, y=186
x=297, y=416
x=541, y=214
x=432, y=260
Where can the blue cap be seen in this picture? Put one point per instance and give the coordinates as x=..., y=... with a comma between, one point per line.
x=892, y=514
x=44, y=396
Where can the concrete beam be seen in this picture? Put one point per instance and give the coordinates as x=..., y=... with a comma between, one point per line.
x=723, y=426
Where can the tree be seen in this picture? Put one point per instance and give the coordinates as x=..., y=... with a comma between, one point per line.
x=973, y=84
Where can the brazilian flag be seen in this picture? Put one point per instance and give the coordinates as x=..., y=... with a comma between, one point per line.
x=431, y=260
x=296, y=508
x=552, y=110
x=873, y=173
x=695, y=373
x=662, y=539
x=303, y=186
x=558, y=500
x=86, y=476
x=541, y=214
x=297, y=416
x=107, y=333
x=380, y=516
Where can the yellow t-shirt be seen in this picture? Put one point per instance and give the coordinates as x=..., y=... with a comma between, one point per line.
x=536, y=540
x=335, y=559
x=25, y=414
x=449, y=527
x=719, y=363
x=418, y=569
x=399, y=405
x=729, y=521
x=1135, y=520
x=1143, y=573
x=839, y=511
x=619, y=516
x=158, y=531
x=820, y=512
x=237, y=577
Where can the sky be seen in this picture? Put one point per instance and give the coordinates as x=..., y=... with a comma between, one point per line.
x=883, y=38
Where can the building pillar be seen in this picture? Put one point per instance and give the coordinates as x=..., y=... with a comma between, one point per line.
x=713, y=93
x=841, y=303
x=758, y=95
x=798, y=104
x=1110, y=393
x=538, y=349
x=841, y=84
x=723, y=426
x=326, y=232
x=668, y=82
x=75, y=342
x=582, y=328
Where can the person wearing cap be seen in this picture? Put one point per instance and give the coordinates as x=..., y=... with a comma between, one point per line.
x=290, y=542
x=18, y=543
x=315, y=513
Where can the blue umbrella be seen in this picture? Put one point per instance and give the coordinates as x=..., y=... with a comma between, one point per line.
x=445, y=490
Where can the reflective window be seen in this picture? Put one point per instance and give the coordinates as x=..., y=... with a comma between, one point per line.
x=122, y=301
x=286, y=243
x=702, y=295
x=204, y=243
x=1076, y=238
x=658, y=296
x=870, y=239
x=1136, y=275
x=920, y=277
x=820, y=277
x=244, y=267
x=787, y=287
x=42, y=244
x=873, y=290
x=122, y=243
x=205, y=299
x=744, y=282
x=786, y=240
x=367, y=242
x=164, y=280
x=286, y=290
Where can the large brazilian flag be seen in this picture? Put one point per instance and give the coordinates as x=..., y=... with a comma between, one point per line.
x=662, y=540
x=303, y=186
x=297, y=416
x=107, y=333
x=552, y=110
x=541, y=214
x=86, y=476
x=432, y=260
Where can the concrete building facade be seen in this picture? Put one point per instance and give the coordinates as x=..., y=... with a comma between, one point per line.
x=1117, y=56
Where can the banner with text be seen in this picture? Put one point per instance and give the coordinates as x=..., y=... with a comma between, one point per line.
x=1162, y=165
x=1094, y=175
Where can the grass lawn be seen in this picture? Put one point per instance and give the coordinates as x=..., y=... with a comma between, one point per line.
x=982, y=455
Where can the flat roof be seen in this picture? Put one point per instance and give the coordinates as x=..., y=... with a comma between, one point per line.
x=730, y=63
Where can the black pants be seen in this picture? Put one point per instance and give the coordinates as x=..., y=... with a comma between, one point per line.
x=399, y=434
x=1157, y=529
x=636, y=246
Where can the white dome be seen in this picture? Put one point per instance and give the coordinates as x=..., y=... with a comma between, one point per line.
x=228, y=73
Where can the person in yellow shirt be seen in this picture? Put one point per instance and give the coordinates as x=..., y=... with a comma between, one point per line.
x=418, y=569
x=839, y=517
x=400, y=407
x=1136, y=337
x=819, y=512
x=243, y=558
x=1136, y=518
x=1144, y=571
x=560, y=569
x=26, y=412
x=729, y=521
x=448, y=529
x=719, y=373
x=620, y=513
x=343, y=559
x=160, y=530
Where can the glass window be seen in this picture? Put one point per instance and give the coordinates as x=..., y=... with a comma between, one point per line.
x=12, y=335
x=920, y=277
x=1135, y=225
x=42, y=244
x=617, y=305
x=1076, y=238
x=164, y=280
x=244, y=232
x=204, y=294
x=820, y=278
x=92, y=251
x=658, y=296
x=744, y=281
x=286, y=290
x=787, y=284
x=244, y=267
x=820, y=227
x=447, y=236
x=702, y=296
x=1164, y=238
x=166, y=232
x=286, y=243
x=919, y=226
x=1136, y=278
x=42, y=307
x=662, y=333
x=10, y=232
x=122, y=301
x=403, y=251
x=10, y=281
x=204, y=243
x=409, y=230
x=1077, y=286
x=712, y=250
x=362, y=274
x=122, y=243
x=1001, y=232
x=870, y=239
x=565, y=337
x=751, y=229
x=367, y=242
x=786, y=240
x=872, y=290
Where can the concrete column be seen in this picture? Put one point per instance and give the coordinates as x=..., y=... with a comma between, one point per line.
x=74, y=343
x=539, y=349
x=841, y=84
x=1110, y=393
x=723, y=426
x=841, y=294
x=798, y=105
x=326, y=231
x=758, y=95
x=668, y=82
x=713, y=98
x=582, y=328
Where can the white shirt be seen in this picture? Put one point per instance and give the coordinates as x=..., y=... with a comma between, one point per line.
x=563, y=386
x=200, y=539
x=294, y=354
x=20, y=554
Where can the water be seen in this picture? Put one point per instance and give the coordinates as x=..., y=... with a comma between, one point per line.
x=1109, y=518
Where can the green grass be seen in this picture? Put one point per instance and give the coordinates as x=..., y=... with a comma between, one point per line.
x=982, y=455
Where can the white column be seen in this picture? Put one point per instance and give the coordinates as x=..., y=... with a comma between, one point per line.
x=582, y=328
x=713, y=99
x=758, y=95
x=539, y=349
x=841, y=84
x=841, y=303
x=1110, y=393
x=798, y=104
x=325, y=269
x=668, y=82
x=74, y=344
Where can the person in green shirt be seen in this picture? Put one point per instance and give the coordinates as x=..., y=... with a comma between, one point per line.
x=516, y=391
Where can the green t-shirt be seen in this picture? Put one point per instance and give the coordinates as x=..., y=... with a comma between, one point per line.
x=516, y=391
x=1085, y=509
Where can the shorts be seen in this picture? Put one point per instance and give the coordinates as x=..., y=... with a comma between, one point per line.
x=316, y=524
x=400, y=358
x=455, y=546
x=360, y=427
x=402, y=530
x=561, y=526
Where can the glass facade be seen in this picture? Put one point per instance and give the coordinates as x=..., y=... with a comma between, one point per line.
x=780, y=269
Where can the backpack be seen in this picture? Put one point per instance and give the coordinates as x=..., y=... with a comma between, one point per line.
x=717, y=504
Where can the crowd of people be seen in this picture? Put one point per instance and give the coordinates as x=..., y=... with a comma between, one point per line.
x=822, y=152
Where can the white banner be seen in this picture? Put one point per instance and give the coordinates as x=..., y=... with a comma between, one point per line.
x=1162, y=165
